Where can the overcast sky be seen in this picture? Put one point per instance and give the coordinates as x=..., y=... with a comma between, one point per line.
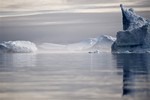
x=73, y=5
x=63, y=21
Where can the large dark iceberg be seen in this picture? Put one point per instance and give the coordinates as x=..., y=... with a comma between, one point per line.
x=135, y=36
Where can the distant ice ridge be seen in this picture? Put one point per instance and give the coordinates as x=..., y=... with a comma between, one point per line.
x=135, y=37
x=17, y=47
x=92, y=45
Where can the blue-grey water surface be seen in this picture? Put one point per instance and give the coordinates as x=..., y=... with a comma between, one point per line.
x=103, y=76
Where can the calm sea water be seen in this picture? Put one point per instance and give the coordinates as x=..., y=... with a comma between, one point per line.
x=103, y=76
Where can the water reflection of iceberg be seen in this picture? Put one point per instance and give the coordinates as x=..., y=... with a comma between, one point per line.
x=10, y=62
x=136, y=74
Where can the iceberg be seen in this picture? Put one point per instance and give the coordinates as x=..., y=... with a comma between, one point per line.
x=17, y=47
x=83, y=45
x=135, y=36
x=92, y=45
x=103, y=44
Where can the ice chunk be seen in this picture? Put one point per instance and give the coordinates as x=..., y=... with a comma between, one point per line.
x=133, y=37
x=18, y=47
x=136, y=34
x=94, y=44
x=131, y=20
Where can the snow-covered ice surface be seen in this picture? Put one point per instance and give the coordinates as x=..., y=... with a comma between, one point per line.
x=17, y=47
x=93, y=45
x=135, y=37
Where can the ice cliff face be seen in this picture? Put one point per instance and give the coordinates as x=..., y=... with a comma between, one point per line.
x=131, y=20
x=135, y=36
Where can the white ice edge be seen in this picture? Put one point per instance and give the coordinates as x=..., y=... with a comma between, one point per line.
x=100, y=44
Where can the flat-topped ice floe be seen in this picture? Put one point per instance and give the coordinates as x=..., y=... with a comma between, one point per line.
x=135, y=36
x=17, y=47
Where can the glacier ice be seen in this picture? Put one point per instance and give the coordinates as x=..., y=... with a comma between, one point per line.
x=17, y=47
x=92, y=45
x=101, y=43
x=135, y=36
x=131, y=20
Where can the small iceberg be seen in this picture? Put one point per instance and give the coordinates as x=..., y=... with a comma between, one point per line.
x=17, y=47
x=93, y=44
x=135, y=36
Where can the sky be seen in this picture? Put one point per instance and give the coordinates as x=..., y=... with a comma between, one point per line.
x=63, y=21
x=73, y=5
